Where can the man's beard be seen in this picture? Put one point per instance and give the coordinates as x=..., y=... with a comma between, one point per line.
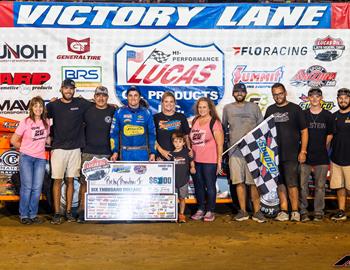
x=239, y=98
x=344, y=107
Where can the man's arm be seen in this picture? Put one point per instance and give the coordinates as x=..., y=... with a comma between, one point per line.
x=304, y=142
x=114, y=136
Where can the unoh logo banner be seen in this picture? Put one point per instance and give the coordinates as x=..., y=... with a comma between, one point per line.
x=190, y=71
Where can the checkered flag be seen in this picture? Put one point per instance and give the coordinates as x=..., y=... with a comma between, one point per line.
x=259, y=148
x=159, y=56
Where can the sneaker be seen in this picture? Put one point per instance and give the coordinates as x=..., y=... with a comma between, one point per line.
x=295, y=216
x=340, y=215
x=198, y=215
x=282, y=216
x=259, y=217
x=304, y=218
x=209, y=216
x=26, y=221
x=56, y=219
x=241, y=216
x=81, y=218
x=318, y=218
x=37, y=220
x=70, y=218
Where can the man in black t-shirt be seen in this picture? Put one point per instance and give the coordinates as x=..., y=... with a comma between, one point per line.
x=292, y=138
x=98, y=120
x=68, y=137
x=320, y=127
x=340, y=157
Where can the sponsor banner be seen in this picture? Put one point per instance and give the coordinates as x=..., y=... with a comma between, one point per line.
x=78, y=49
x=190, y=71
x=168, y=16
x=23, y=52
x=129, y=177
x=305, y=103
x=151, y=207
x=84, y=76
x=328, y=48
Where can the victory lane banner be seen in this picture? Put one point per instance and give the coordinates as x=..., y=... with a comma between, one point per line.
x=105, y=177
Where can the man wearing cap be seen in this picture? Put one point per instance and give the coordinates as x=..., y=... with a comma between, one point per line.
x=292, y=138
x=132, y=132
x=98, y=120
x=238, y=119
x=340, y=157
x=320, y=128
x=67, y=114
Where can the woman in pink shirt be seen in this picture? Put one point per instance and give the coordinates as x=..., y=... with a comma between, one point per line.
x=207, y=139
x=30, y=137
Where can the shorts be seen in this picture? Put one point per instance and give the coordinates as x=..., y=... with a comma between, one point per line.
x=239, y=171
x=88, y=157
x=289, y=173
x=182, y=192
x=340, y=176
x=65, y=163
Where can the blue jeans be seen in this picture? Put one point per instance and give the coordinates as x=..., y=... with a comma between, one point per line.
x=32, y=171
x=204, y=184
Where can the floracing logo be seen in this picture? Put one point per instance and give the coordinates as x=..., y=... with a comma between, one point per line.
x=305, y=103
x=256, y=78
x=314, y=76
x=24, y=81
x=83, y=75
x=96, y=169
x=328, y=48
x=267, y=51
x=190, y=71
x=79, y=48
x=22, y=53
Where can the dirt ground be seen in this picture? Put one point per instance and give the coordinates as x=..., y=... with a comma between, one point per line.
x=222, y=244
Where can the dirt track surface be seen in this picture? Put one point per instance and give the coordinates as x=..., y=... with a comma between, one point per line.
x=223, y=244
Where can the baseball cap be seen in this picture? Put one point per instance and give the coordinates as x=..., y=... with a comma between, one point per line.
x=101, y=90
x=239, y=87
x=343, y=91
x=133, y=88
x=68, y=83
x=314, y=91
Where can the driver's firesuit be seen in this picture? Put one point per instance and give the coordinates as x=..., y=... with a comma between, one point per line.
x=133, y=134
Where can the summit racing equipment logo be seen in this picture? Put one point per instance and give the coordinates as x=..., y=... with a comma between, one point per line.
x=314, y=76
x=328, y=48
x=22, y=53
x=305, y=104
x=256, y=79
x=270, y=51
x=190, y=71
x=267, y=157
x=79, y=48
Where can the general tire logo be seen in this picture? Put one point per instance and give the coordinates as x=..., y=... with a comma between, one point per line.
x=190, y=71
x=314, y=76
x=328, y=48
x=78, y=46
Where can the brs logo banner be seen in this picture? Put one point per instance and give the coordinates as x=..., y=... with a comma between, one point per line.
x=189, y=71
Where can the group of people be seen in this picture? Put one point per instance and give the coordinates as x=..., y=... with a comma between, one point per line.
x=81, y=129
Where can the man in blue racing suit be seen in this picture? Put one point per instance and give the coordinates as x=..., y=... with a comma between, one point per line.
x=132, y=133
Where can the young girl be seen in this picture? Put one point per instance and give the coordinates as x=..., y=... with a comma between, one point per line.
x=30, y=137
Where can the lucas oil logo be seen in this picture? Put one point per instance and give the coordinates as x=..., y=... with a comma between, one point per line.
x=328, y=48
x=190, y=71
